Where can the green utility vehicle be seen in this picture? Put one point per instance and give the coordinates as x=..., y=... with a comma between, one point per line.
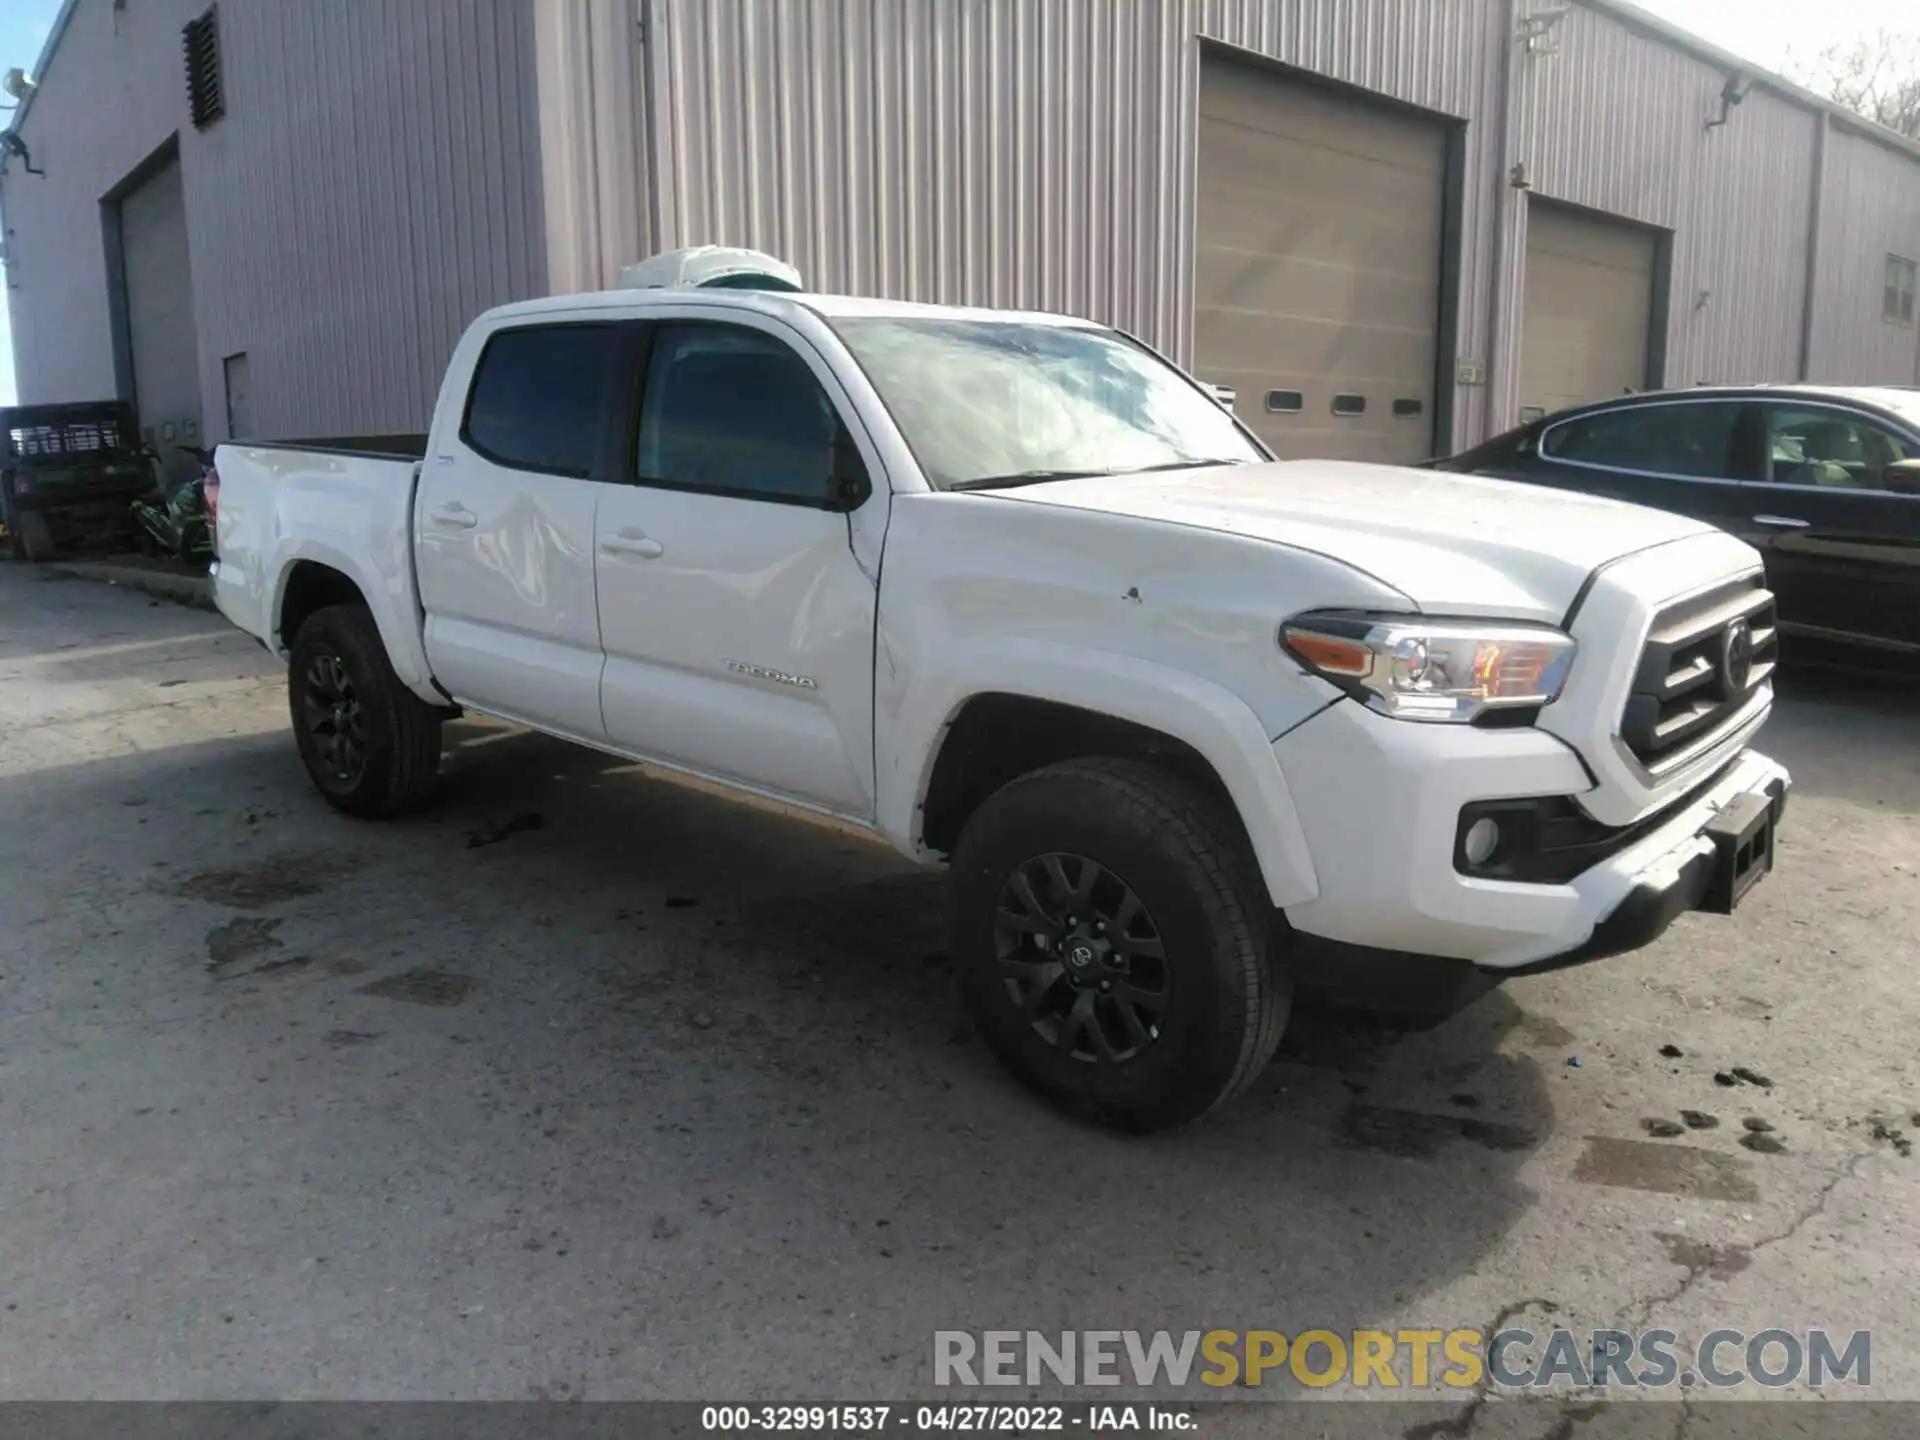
x=69, y=475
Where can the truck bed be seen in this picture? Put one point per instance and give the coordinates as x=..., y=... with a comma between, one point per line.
x=343, y=505
x=379, y=447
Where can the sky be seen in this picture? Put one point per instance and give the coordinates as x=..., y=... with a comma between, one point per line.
x=1772, y=33
x=23, y=30
x=1776, y=33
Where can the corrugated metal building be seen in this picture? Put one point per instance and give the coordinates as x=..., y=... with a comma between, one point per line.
x=1391, y=225
x=309, y=257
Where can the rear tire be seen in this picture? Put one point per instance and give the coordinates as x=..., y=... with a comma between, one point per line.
x=1099, y=887
x=370, y=745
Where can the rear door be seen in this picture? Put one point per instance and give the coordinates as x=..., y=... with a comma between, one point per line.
x=1686, y=456
x=1842, y=549
x=738, y=623
x=505, y=525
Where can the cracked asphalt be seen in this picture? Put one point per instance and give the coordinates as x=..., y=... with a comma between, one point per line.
x=587, y=1084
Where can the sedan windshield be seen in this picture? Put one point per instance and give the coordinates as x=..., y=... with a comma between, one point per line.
x=992, y=403
x=1904, y=403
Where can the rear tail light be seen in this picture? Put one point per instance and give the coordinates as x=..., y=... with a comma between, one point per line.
x=210, y=492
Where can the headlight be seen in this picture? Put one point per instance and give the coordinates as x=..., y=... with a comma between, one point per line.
x=1437, y=670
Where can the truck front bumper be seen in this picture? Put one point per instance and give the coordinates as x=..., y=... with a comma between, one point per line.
x=1381, y=802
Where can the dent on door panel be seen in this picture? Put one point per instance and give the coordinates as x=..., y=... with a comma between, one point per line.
x=512, y=621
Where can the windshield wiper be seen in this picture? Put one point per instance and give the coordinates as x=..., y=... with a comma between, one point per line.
x=1025, y=477
x=1041, y=477
x=1186, y=465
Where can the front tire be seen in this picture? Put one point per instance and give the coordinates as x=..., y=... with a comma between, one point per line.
x=1115, y=944
x=370, y=745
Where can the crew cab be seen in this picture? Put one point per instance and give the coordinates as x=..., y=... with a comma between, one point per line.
x=1195, y=730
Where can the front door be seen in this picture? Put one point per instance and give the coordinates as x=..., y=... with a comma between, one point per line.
x=737, y=622
x=505, y=518
x=1842, y=548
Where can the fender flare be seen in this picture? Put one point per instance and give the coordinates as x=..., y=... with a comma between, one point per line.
x=393, y=615
x=1216, y=723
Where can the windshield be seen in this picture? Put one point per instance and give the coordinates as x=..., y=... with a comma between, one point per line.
x=985, y=403
x=1904, y=403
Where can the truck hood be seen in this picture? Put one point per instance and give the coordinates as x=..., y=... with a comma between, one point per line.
x=1452, y=544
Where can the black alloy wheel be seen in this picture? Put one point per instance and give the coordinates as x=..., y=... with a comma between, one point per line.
x=1114, y=942
x=330, y=709
x=370, y=746
x=1082, y=958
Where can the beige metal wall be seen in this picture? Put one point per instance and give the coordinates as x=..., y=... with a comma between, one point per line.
x=388, y=167
x=374, y=183
x=1025, y=153
x=1045, y=152
x=1871, y=208
x=1616, y=121
x=595, y=121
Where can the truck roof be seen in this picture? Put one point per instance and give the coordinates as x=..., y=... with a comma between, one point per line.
x=770, y=302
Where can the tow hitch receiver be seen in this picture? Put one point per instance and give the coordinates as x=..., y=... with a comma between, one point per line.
x=1742, y=836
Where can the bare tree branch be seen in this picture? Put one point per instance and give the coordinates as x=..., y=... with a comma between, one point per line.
x=1878, y=77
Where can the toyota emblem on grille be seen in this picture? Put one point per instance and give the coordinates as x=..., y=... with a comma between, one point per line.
x=1736, y=656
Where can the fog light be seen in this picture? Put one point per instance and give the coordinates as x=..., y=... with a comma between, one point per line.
x=1483, y=838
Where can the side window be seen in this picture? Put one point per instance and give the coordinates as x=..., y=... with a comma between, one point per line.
x=1693, y=439
x=1832, y=448
x=734, y=411
x=1903, y=279
x=539, y=397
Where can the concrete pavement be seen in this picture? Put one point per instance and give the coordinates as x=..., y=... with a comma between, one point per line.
x=588, y=1084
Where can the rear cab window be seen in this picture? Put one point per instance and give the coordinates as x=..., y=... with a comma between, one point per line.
x=540, y=397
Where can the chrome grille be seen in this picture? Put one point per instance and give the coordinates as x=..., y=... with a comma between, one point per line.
x=1701, y=674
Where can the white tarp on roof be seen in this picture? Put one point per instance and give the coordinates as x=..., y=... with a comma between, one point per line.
x=711, y=265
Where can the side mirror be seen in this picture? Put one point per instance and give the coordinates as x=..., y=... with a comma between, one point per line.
x=1902, y=477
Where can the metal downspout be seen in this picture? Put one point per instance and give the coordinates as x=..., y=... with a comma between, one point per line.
x=1501, y=376
x=1815, y=223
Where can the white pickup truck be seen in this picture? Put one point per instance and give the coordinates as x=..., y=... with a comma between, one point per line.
x=1196, y=731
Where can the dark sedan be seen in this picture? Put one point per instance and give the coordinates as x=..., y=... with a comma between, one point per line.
x=1825, y=482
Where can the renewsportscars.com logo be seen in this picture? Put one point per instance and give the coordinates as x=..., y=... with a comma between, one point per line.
x=1511, y=1359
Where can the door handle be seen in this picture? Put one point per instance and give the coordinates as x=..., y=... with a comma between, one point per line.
x=633, y=542
x=456, y=515
x=1781, y=522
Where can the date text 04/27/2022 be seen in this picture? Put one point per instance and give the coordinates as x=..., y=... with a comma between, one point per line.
x=962, y=1418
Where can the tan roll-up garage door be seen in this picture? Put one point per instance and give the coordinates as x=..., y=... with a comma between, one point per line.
x=1317, y=264
x=1588, y=300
